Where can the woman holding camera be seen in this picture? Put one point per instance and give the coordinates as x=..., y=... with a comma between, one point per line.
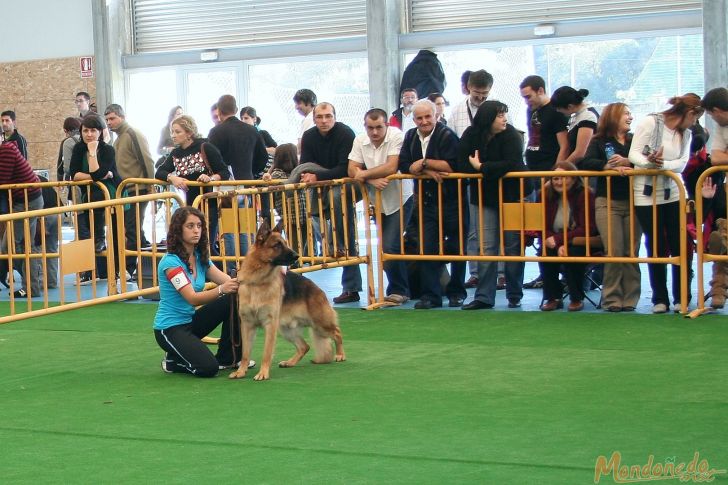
x=662, y=141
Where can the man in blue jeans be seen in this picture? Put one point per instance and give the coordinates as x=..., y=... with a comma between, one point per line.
x=325, y=149
x=374, y=156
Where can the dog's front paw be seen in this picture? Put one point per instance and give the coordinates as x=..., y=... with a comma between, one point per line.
x=261, y=376
x=340, y=358
x=286, y=363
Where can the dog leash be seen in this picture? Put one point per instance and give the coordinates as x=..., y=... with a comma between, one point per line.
x=233, y=319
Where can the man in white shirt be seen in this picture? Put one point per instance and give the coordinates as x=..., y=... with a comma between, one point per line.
x=305, y=100
x=479, y=86
x=715, y=103
x=375, y=155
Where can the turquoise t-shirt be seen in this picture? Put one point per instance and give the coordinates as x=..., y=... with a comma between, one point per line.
x=173, y=308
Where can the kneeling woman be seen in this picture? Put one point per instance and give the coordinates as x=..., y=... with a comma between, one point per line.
x=565, y=221
x=178, y=327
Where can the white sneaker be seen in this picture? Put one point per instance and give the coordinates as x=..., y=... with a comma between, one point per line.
x=677, y=307
x=251, y=364
x=396, y=299
x=659, y=308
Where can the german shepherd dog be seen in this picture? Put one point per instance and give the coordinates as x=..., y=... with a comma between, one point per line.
x=272, y=299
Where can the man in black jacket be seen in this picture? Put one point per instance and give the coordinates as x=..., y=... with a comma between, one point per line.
x=328, y=145
x=243, y=150
x=240, y=144
x=10, y=133
x=439, y=156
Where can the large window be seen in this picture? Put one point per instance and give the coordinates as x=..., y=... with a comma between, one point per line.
x=342, y=82
x=642, y=72
x=150, y=97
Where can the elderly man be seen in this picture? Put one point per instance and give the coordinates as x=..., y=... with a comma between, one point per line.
x=431, y=150
x=325, y=149
x=374, y=156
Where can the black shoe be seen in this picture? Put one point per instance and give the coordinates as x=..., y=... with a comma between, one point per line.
x=477, y=305
x=347, y=297
x=535, y=283
x=426, y=305
x=472, y=282
x=20, y=293
x=514, y=303
x=455, y=301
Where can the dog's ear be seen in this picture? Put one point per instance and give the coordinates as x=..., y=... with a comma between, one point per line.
x=279, y=226
x=263, y=233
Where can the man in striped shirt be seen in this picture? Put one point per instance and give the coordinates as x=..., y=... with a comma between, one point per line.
x=15, y=169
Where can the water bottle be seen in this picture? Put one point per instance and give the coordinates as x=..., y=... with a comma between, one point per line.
x=610, y=150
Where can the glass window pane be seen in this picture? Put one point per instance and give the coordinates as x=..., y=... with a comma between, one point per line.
x=203, y=89
x=643, y=72
x=342, y=82
x=150, y=97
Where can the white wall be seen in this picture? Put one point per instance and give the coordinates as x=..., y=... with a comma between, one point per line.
x=46, y=29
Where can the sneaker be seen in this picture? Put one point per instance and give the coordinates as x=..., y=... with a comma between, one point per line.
x=659, y=308
x=677, y=307
x=85, y=278
x=167, y=364
x=251, y=364
x=514, y=303
x=396, y=299
x=534, y=284
x=20, y=293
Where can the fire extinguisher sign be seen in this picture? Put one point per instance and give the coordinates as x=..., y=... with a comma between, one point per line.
x=87, y=69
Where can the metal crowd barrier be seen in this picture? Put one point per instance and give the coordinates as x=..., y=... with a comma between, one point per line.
x=306, y=210
x=528, y=219
x=75, y=257
x=704, y=256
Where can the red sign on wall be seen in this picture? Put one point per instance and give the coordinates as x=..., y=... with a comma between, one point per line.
x=87, y=69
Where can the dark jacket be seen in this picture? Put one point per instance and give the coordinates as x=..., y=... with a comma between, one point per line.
x=596, y=159
x=502, y=154
x=577, y=220
x=241, y=147
x=443, y=145
x=106, y=157
x=330, y=151
x=425, y=74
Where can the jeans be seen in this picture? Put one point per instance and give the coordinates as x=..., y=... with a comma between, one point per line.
x=668, y=242
x=351, y=275
x=430, y=273
x=390, y=239
x=19, y=240
x=488, y=270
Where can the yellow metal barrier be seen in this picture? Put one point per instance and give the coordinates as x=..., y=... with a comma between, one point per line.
x=528, y=219
x=76, y=256
x=703, y=256
x=296, y=203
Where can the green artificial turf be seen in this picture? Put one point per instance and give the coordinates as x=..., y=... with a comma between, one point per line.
x=424, y=397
